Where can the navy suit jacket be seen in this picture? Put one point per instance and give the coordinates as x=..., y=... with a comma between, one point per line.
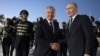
x=80, y=37
x=45, y=36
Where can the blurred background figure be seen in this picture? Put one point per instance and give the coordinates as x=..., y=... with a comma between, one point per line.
x=7, y=34
x=39, y=19
x=92, y=19
x=98, y=28
x=1, y=34
x=63, y=47
x=14, y=21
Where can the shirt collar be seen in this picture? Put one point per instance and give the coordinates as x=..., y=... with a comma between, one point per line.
x=73, y=17
x=49, y=21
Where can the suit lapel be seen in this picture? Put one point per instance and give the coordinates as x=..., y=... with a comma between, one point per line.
x=55, y=28
x=74, y=23
x=47, y=26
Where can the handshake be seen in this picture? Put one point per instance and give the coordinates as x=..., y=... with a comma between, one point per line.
x=55, y=46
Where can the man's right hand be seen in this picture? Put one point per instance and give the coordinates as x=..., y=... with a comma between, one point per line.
x=55, y=46
x=86, y=55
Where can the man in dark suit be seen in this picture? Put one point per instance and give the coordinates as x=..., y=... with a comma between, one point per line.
x=24, y=34
x=80, y=36
x=47, y=34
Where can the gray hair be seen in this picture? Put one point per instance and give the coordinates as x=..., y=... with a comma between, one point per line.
x=74, y=4
x=51, y=7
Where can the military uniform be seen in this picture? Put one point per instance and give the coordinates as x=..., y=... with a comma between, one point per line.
x=24, y=33
x=6, y=40
x=13, y=39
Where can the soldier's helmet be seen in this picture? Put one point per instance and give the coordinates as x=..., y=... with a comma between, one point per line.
x=24, y=11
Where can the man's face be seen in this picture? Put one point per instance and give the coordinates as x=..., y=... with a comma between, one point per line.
x=50, y=13
x=24, y=16
x=71, y=10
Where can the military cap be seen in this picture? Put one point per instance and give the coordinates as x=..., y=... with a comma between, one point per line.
x=24, y=11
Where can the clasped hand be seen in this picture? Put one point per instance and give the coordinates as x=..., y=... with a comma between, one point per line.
x=55, y=46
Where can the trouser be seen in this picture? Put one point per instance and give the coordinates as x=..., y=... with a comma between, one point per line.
x=22, y=50
x=52, y=53
x=63, y=51
x=12, y=46
x=95, y=51
x=6, y=46
x=23, y=47
x=11, y=51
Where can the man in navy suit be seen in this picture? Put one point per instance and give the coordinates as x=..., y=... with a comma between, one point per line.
x=80, y=36
x=47, y=35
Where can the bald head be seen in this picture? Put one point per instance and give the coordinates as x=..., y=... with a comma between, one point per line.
x=71, y=9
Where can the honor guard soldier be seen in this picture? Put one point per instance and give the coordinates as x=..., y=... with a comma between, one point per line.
x=7, y=34
x=24, y=34
x=14, y=21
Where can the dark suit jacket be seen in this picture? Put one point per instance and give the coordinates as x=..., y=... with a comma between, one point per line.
x=45, y=36
x=80, y=37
